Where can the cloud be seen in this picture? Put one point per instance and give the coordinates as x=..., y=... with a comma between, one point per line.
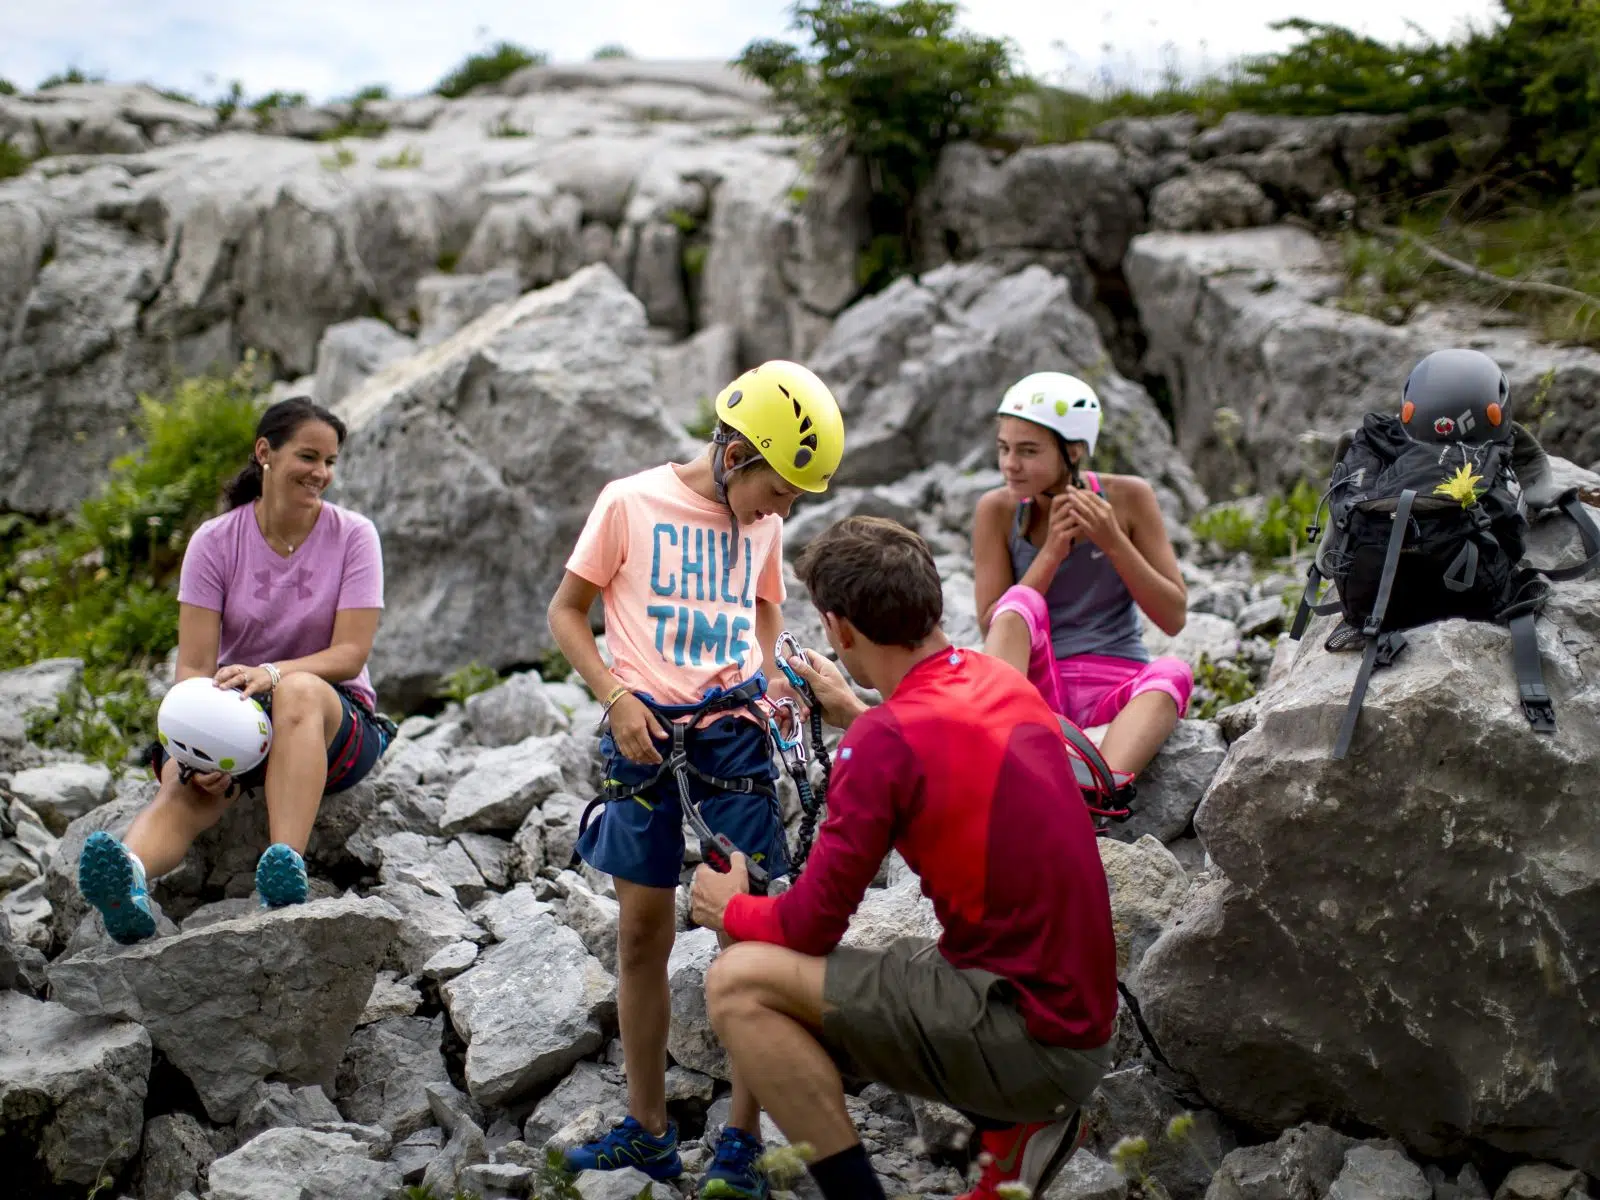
x=331, y=47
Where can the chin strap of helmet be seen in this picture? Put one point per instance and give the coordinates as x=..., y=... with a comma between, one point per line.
x=721, y=473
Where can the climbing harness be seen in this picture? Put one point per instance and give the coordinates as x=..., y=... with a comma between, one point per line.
x=793, y=750
x=683, y=721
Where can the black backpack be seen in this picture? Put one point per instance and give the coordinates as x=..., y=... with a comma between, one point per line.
x=1420, y=532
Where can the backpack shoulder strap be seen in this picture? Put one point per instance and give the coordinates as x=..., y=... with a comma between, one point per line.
x=1571, y=503
x=1377, y=643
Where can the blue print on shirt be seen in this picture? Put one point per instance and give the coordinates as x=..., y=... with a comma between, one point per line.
x=692, y=563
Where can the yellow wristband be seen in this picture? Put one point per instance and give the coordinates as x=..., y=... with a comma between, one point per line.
x=617, y=693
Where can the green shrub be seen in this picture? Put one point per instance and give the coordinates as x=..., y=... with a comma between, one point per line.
x=407, y=159
x=370, y=93
x=500, y=61
x=896, y=84
x=230, y=102
x=7, y=88
x=612, y=50
x=467, y=681
x=1277, y=531
x=12, y=161
x=70, y=75
x=1220, y=685
x=100, y=584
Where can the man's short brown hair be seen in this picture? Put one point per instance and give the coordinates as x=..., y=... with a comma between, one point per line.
x=876, y=574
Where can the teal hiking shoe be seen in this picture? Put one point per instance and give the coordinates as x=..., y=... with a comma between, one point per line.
x=112, y=880
x=281, y=877
x=630, y=1144
x=734, y=1174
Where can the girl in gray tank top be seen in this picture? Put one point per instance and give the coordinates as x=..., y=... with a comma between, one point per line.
x=1065, y=559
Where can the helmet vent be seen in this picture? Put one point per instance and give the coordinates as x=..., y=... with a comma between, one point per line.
x=802, y=456
x=734, y=399
x=805, y=423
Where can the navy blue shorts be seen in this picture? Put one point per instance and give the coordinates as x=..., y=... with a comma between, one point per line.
x=642, y=840
x=354, y=751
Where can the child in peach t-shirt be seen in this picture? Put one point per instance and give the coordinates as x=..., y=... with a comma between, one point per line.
x=688, y=562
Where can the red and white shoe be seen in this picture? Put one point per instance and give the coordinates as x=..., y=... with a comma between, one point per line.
x=1031, y=1155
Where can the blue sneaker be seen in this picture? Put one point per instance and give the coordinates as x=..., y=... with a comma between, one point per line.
x=112, y=880
x=281, y=877
x=734, y=1174
x=630, y=1144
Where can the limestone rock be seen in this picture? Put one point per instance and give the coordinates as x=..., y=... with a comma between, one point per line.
x=1324, y=959
x=463, y=457
x=529, y=1009
x=72, y=1089
x=303, y=1164
x=352, y=351
x=62, y=792
x=274, y=995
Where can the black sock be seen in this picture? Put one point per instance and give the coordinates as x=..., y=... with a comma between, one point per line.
x=847, y=1175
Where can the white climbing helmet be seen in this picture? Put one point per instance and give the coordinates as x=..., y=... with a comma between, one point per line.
x=207, y=728
x=1063, y=404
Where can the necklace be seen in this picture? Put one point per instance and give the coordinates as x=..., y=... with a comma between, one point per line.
x=274, y=539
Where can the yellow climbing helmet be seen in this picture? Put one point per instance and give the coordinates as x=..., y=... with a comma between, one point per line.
x=791, y=418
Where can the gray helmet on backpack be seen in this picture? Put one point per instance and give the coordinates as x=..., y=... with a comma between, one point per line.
x=1456, y=396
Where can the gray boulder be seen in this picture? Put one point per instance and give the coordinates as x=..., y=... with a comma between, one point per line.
x=178, y=1153
x=350, y=352
x=303, y=1164
x=464, y=460
x=530, y=1008
x=517, y=709
x=72, y=1090
x=1209, y=200
x=447, y=303
x=386, y=1070
x=1249, y=314
x=25, y=690
x=920, y=367
x=1354, y=900
x=275, y=995
x=1170, y=788
x=62, y=792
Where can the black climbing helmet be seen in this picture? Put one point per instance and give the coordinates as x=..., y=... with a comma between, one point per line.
x=1456, y=396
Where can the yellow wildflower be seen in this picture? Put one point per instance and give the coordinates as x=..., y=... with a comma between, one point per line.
x=1462, y=486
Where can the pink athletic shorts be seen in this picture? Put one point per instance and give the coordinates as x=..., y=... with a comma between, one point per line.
x=1090, y=689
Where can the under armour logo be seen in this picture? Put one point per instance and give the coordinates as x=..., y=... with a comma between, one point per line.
x=297, y=581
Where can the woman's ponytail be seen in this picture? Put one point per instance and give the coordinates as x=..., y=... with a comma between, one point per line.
x=245, y=486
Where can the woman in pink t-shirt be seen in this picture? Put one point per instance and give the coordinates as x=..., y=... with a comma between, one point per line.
x=279, y=597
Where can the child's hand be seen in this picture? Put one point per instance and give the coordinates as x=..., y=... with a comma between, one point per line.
x=632, y=728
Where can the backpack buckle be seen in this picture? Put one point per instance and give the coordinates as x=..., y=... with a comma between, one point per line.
x=1389, y=646
x=1538, y=708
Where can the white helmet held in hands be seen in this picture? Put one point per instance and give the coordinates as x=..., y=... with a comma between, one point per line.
x=1063, y=404
x=207, y=728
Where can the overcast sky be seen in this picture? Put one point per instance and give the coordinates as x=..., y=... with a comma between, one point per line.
x=330, y=47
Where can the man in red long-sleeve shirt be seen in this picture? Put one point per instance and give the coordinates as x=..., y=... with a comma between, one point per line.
x=963, y=769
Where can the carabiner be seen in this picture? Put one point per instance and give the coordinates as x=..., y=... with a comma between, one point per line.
x=793, y=746
x=799, y=684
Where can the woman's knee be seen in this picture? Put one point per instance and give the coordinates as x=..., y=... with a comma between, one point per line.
x=301, y=696
x=1026, y=603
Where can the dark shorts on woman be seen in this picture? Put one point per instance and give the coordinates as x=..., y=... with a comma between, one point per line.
x=354, y=751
